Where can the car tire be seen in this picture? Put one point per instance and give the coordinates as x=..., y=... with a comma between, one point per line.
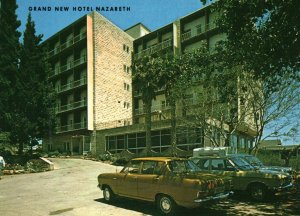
x=258, y=192
x=166, y=205
x=108, y=194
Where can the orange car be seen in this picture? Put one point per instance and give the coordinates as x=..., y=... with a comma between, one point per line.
x=170, y=182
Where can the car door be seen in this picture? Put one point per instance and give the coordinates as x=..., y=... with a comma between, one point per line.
x=127, y=184
x=149, y=179
x=222, y=166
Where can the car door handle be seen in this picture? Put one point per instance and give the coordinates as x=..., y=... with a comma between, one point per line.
x=114, y=178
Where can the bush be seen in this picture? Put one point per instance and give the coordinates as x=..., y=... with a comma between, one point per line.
x=36, y=165
x=270, y=158
x=121, y=161
x=54, y=154
x=105, y=157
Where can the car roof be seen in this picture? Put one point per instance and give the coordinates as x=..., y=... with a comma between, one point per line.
x=214, y=156
x=158, y=158
x=243, y=155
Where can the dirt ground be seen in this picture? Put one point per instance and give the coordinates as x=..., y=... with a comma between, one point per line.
x=71, y=190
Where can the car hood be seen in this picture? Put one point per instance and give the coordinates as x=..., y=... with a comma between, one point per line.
x=277, y=168
x=272, y=173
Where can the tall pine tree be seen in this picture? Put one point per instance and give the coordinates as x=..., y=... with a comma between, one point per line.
x=35, y=94
x=9, y=60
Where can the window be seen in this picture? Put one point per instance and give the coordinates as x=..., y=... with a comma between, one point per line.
x=132, y=167
x=199, y=29
x=159, y=168
x=229, y=166
x=217, y=164
x=126, y=105
x=203, y=163
x=164, y=104
x=125, y=48
x=148, y=167
x=126, y=68
x=126, y=86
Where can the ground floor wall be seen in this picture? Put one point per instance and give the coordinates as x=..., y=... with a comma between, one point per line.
x=68, y=143
x=133, y=139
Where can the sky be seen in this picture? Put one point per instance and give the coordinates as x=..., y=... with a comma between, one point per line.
x=152, y=13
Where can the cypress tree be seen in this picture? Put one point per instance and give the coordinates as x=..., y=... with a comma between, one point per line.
x=9, y=60
x=34, y=94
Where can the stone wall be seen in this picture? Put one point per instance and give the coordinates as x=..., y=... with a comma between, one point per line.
x=112, y=74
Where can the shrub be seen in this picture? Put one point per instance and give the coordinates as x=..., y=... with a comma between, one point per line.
x=54, y=154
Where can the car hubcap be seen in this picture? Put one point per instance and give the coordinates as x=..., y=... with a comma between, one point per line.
x=106, y=194
x=166, y=204
x=257, y=193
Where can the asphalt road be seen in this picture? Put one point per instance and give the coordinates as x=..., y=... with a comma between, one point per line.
x=70, y=190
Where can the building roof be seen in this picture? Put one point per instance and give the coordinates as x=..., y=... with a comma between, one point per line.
x=269, y=143
x=140, y=24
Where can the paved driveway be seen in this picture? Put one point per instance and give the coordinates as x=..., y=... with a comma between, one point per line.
x=71, y=190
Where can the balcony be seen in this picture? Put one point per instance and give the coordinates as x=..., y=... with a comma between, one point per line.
x=190, y=101
x=137, y=93
x=68, y=66
x=70, y=106
x=72, y=85
x=197, y=31
x=67, y=44
x=154, y=49
x=154, y=109
x=71, y=127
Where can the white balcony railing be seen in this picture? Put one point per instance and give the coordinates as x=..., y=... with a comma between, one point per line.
x=68, y=66
x=67, y=44
x=155, y=108
x=71, y=127
x=71, y=106
x=197, y=31
x=72, y=85
x=154, y=49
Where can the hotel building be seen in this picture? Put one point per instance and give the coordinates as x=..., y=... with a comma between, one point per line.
x=98, y=109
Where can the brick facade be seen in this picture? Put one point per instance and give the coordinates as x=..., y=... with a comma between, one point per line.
x=112, y=58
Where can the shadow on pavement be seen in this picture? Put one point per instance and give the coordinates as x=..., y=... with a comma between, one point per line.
x=148, y=208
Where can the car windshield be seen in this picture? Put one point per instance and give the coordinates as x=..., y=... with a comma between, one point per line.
x=253, y=160
x=241, y=163
x=183, y=166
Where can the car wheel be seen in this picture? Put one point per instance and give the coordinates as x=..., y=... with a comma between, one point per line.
x=166, y=205
x=258, y=192
x=108, y=194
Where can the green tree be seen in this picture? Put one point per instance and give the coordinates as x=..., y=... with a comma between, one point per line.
x=9, y=59
x=146, y=81
x=211, y=100
x=263, y=36
x=35, y=95
x=174, y=75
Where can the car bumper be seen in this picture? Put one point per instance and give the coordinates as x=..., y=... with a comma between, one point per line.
x=216, y=197
x=284, y=189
